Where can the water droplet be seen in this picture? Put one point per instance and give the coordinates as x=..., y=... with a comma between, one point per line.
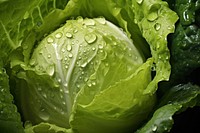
x=69, y=35
x=39, y=89
x=157, y=46
x=50, y=70
x=69, y=47
x=154, y=128
x=44, y=95
x=166, y=128
x=63, y=50
x=78, y=86
x=58, y=35
x=26, y=15
x=59, y=80
x=167, y=57
x=89, y=84
x=66, y=66
x=86, y=79
x=27, y=124
x=62, y=112
x=50, y=39
x=79, y=19
x=186, y=15
x=32, y=62
x=153, y=12
x=100, y=46
x=139, y=1
x=49, y=56
x=2, y=112
x=75, y=30
x=41, y=52
x=93, y=83
x=44, y=115
x=84, y=64
x=89, y=22
x=65, y=85
x=101, y=20
x=66, y=91
x=152, y=16
x=66, y=58
x=90, y=38
x=157, y=26
x=70, y=55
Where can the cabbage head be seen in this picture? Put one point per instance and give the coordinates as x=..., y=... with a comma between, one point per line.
x=87, y=72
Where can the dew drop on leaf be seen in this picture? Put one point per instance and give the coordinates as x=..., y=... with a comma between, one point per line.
x=44, y=115
x=152, y=16
x=157, y=26
x=153, y=12
x=90, y=38
x=75, y=30
x=50, y=40
x=139, y=1
x=70, y=55
x=79, y=19
x=32, y=62
x=59, y=80
x=89, y=84
x=89, y=22
x=50, y=70
x=84, y=64
x=93, y=83
x=58, y=35
x=101, y=20
x=69, y=35
x=154, y=128
x=100, y=46
x=69, y=47
x=49, y=56
x=65, y=85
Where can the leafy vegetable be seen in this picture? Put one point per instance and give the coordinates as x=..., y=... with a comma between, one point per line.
x=85, y=66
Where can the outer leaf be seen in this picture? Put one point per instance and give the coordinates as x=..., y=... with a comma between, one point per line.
x=119, y=108
x=46, y=128
x=156, y=21
x=10, y=121
x=176, y=100
x=26, y=23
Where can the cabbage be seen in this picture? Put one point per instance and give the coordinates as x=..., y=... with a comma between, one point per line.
x=87, y=72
